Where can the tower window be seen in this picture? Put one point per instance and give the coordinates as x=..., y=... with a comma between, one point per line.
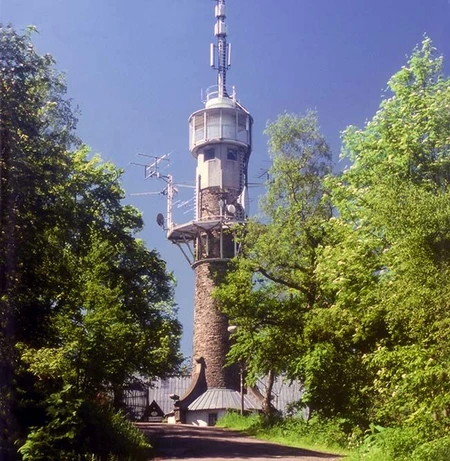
x=209, y=154
x=232, y=154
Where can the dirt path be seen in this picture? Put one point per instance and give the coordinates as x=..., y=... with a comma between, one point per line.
x=212, y=444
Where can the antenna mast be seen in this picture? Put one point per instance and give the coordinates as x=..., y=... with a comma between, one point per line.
x=222, y=61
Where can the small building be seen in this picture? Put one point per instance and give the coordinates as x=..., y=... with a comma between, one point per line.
x=207, y=409
x=202, y=406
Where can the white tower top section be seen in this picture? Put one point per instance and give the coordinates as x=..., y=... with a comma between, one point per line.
x=223, y=120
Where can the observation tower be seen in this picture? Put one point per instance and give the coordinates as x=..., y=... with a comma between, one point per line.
x=220, y=140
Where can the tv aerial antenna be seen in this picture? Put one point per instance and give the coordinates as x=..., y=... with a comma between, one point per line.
x=153, y=170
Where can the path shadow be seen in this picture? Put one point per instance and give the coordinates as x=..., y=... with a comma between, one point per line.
x=184, y=442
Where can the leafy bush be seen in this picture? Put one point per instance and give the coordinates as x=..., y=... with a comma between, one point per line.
x=56, y=439
x=77, y=430
x=317, y=431
x=389, y=444
x=110, y=436
x=436, y=450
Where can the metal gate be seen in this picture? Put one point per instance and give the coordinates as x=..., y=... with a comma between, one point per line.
x=136, y=401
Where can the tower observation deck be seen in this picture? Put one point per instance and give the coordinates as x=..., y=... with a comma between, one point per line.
x=220, y=139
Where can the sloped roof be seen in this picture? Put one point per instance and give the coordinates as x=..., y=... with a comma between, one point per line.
x=162, y=388
x=216, y=399
x=284, y=392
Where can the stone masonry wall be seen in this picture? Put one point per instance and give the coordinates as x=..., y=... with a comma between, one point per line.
x=211, y=337
x=209, y=200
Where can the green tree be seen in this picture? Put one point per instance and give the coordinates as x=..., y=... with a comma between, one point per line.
x=273, y=287
x=36, y=127
x=388, y=266
x=84, y=305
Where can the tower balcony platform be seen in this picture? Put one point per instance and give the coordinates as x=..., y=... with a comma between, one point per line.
x=182, y=233
x=206, y=240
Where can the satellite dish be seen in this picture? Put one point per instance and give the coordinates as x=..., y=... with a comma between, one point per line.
x=231, y=209
x=160, y=220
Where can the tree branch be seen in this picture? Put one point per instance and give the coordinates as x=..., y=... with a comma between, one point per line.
x=282, y=281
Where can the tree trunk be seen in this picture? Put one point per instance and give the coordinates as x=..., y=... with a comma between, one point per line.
x=267, y=406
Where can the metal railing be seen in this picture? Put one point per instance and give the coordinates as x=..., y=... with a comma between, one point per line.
x=212, y=92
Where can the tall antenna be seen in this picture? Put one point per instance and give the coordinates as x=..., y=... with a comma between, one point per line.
x=221, y=61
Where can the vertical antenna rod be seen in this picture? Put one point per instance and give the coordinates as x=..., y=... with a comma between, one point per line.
x=223, y=49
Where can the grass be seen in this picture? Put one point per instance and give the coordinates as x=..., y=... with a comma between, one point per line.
x=283, y=432
x=337, y=435
x=237, y=422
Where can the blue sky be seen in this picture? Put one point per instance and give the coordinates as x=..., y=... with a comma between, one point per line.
x=136, y=69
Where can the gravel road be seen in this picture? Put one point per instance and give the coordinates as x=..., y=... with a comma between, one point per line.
x=174, y=442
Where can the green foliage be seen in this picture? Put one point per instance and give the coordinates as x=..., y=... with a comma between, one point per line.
x=390, y=444
x=85, y=306
x=84, y=431
x=110, y=436
x=437, y=450
x=401, y=444
x=57, y=439
x=411, y=385
x=317, y=433
x=397, y=193
x=388, y=267
x=332, y=381
x=273, y=284
x=234, y=420
x=362, y=296
x=36, y=129
x=331, y=433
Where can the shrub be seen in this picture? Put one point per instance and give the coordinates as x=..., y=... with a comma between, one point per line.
x=110, y=436
x=89, y=430
x=436, y=450
x=389, y=444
